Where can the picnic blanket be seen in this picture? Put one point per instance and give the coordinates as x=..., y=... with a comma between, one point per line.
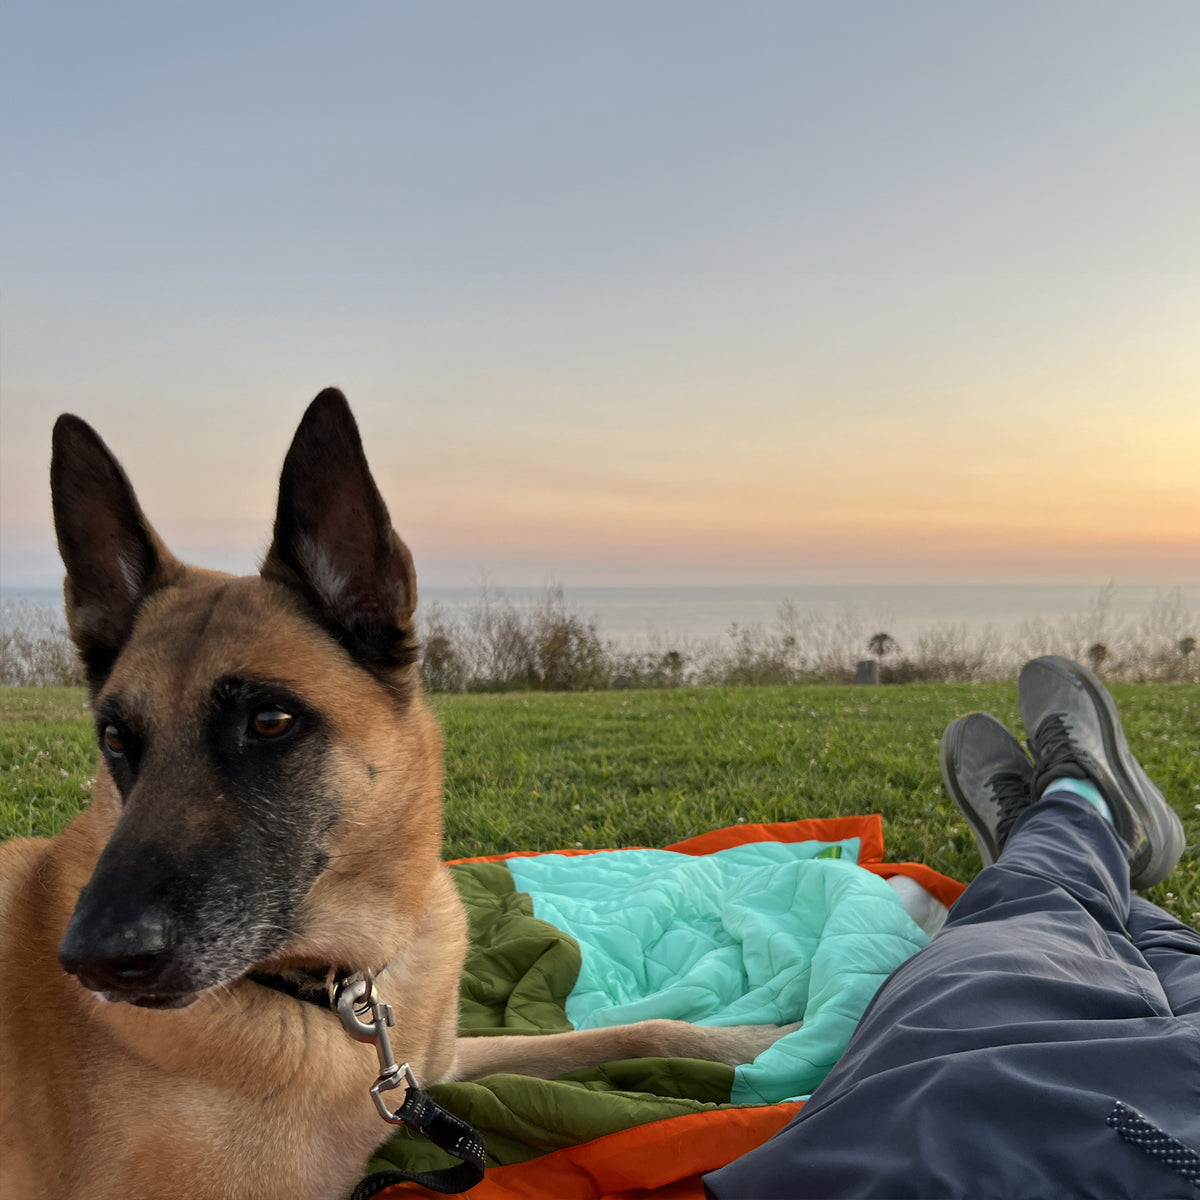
x=746, y=925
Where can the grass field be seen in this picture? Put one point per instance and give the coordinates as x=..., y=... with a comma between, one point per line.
x=544, y=771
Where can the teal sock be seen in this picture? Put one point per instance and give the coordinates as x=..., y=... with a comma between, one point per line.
x=1081, y=787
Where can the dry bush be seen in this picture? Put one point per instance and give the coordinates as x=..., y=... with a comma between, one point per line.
x=751, y=656
x=950, y=654
x=496, y=646
x=35, y=650
x=652, y=667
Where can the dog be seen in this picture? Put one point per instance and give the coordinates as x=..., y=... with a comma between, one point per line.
x=267, y=815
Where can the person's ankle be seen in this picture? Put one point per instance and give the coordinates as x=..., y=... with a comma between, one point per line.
x=1084, y=789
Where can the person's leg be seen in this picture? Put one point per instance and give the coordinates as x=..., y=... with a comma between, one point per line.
x=1059, y=868
x=991, y=1063
x=1036, y=942
x=1054, y=907
x=1173, y=951
x=1081, y=749
x=1070, y=849
x=1080, y=744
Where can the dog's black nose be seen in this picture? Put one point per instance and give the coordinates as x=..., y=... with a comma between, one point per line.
x=130, y=958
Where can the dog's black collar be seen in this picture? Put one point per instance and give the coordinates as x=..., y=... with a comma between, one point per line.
x=313, y=987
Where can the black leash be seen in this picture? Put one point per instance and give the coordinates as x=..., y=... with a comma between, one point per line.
x=446, y=1132
x=353, y=997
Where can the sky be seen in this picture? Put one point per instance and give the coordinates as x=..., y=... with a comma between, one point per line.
x=621, y=293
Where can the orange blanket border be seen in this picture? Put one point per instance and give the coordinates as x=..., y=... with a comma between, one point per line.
x=868, y=828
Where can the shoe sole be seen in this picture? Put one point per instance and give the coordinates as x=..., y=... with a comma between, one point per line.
x=948, y=756
x=1136, y=790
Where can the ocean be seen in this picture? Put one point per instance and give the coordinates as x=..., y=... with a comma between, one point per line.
x=661, y=616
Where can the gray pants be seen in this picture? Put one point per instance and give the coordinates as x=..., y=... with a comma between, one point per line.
x=1045, y=1044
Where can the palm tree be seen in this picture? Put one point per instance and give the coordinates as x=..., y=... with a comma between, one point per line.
x=882, y=644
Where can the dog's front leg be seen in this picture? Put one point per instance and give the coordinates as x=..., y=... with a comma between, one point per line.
x=549, y=1055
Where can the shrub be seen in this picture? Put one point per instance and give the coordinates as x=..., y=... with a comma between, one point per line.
x=34, y=647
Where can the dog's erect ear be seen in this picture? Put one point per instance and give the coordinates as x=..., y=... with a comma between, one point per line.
x=334, y=541
x=114, y=559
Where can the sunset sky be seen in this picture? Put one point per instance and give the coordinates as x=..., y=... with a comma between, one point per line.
x=678, y=292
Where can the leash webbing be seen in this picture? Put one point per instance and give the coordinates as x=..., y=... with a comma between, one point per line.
x=445, y=1131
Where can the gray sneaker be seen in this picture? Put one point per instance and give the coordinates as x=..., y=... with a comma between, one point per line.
x=1074, y=732
x=987, y=774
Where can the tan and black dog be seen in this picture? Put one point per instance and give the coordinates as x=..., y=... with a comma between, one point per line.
x=267, y=803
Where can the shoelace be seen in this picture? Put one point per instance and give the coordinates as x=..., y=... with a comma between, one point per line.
x=1053, y=749
x=1010, y=789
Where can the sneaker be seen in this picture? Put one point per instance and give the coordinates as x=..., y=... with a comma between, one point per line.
x=1074, y=732
x=987, y=774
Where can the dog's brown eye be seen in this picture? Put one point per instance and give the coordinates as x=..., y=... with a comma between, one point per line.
x=271, y=723
x=113, y=741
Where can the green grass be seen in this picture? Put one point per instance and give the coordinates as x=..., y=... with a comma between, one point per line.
x=47, y=758
x=541, y=771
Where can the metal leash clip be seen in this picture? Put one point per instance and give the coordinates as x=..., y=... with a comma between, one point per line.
x=354, y=997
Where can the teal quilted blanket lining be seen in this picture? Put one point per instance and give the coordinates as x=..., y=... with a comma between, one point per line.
x=764, y=933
